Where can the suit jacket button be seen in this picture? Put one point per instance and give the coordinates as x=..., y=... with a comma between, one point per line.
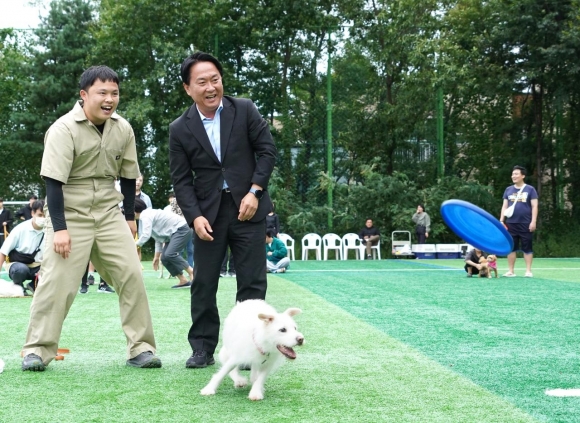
x=223, y=169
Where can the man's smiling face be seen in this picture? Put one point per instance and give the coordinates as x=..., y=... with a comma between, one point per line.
x=101, y=101
x=205, y=87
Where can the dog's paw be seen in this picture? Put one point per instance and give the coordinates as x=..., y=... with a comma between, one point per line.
x=256, y=396
x=240, y=382
x=208, y=390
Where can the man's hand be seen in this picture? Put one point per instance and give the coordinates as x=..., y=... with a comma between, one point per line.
x=62, y=243
x=269, y=253
x=478, y=266
x=426, y=234
x=248, y=207
x=202, y=228
x=532, y=226
x=132, y=227
x=156, y=263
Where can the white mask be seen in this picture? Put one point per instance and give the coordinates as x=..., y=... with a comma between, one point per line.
x=40, y=221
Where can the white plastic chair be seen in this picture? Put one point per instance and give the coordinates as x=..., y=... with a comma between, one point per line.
x=351, y=241
x=376, y=250
x=332, y=242
x=311, y=242
x=289, y=243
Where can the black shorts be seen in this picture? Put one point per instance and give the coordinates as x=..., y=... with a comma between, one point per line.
x=522, y=237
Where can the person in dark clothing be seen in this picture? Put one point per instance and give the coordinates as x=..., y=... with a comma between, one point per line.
x=6, y=221
x=25, y=213
x=273, y=222
x=472, y=266
x=369, y=236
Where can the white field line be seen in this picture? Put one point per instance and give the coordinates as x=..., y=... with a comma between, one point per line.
x=428, y=269
x=563, y=392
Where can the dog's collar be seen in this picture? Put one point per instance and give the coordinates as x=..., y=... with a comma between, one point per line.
x=257, y=346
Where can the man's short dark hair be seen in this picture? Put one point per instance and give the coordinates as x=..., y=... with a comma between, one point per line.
x=171, y=195
x=102, y=73
x=33, y=197
x=139, y=205
x=197, y=57
x=522, y=169
x=1, y=200
x=270, y=233
x=38, y=204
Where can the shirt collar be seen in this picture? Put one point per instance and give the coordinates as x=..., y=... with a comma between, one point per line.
x=219, y=109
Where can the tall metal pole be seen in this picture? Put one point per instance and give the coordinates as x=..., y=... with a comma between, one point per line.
x=329, y=127
x=559, y=157
x=440, y=140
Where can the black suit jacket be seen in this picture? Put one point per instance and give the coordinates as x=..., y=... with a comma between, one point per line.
x=6, y=216
x=248, y=156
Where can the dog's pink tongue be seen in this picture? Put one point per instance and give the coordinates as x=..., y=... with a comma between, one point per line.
x=287, y=351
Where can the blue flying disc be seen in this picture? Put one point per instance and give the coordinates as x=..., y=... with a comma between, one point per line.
x=477, y=227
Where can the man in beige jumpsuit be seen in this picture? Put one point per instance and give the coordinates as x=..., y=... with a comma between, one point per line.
x=84, y=152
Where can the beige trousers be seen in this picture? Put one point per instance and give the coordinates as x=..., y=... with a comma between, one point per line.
x=98, y=232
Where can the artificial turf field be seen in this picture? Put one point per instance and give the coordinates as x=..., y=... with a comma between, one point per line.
x=386, y=341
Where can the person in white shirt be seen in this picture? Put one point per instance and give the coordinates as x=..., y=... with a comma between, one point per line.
x=23, y=247
x=170, y=229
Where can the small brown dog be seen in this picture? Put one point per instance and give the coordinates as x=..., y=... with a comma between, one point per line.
x=492, y=264
x=484, y=271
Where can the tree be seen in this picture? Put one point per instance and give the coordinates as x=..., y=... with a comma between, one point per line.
x=50, y=87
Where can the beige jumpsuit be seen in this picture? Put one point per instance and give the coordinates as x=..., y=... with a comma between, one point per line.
x=87, y=162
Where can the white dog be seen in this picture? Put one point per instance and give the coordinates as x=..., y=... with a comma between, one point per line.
x=10, y=289
x=255, y=335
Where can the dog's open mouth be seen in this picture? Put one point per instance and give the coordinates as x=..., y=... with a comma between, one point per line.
x=286, y=351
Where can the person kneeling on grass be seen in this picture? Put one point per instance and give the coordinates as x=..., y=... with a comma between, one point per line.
x=169, y=228
x=472, y=266
x=276, y=252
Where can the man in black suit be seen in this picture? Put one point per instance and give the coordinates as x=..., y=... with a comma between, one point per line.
x=221, y=156
x=6, y=221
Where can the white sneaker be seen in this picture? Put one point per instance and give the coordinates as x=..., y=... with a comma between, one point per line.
x=509, y=275
x=528, y=275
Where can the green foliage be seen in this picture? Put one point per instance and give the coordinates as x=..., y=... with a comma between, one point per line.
x=508, y=71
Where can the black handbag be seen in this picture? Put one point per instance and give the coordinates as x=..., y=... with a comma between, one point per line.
x=24, y=258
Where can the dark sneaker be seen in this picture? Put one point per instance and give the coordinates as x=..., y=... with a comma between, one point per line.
x=33, y=363
x=103, y=287
x=232, y=274
x=84, y=289
x=469, y=275
x=199, y=359
x=145, y=360
x=185, y=285
x=30, y=286
x=91, y=280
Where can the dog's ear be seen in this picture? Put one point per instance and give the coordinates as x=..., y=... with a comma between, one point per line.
x=268, y=318
x=293, y=311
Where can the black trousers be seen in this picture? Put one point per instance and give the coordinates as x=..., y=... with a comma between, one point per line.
x=247, y=243
x=420, y=231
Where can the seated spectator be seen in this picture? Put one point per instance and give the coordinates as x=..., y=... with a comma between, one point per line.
x=369, y=236
x=169, y=228
x=276, y=260
x=25, y=213
x=472, y=266
x=23, y=247
x=6, y=221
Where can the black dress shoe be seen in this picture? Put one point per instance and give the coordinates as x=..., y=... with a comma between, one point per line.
x=145, y=360
x=199, y=359
x=33, y=363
